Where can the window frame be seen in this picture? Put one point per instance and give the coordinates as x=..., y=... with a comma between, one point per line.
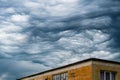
x=60, y=76
x=103, y=75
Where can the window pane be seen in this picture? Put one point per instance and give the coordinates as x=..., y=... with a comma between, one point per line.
x=58, y=77
x=107, y=75
x=113, y=76
x=101, y=75
x=55, y=77
x=62, y=76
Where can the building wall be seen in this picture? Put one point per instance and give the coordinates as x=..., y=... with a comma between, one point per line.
x=98, y=66
x=76, y=72
x=83, y=73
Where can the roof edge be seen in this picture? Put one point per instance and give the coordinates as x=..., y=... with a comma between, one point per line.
x=89, y=59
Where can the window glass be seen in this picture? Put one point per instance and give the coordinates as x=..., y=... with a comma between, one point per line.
x=113, y=76
x=62, y=76
x=107, y=75
x=102, y=75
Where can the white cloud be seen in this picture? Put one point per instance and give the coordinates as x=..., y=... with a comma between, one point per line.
x=11, y=42
x=36, y=48
x=98, y=22
x=13, y=38
x=9, y=27
x=89, y=43
x=61, y=54
x=102, y=54
x=19, y=18
x=10, y=10
x=98, y=36
x=85, y=39
x=32, y=5
x=4, y=76
x=51, y=8
x=10, y=49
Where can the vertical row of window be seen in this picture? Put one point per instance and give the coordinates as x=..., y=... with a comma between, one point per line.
x=106, y=75
x=62, y=76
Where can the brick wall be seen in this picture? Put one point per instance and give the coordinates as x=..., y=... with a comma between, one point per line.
x=98, y=66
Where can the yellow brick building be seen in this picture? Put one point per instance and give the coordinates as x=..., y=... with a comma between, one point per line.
x=89, y=69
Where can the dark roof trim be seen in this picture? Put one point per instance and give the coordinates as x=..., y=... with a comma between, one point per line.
x=90, y=59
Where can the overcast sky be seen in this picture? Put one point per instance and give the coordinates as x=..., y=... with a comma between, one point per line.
x=36, y=35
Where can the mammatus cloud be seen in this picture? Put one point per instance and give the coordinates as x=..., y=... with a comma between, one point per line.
x=39, y=35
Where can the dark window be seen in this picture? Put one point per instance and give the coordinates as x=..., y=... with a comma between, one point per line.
x=102, y=75
x=61, y=76
x=113, y=76
x=46, y=79
x=107, y=75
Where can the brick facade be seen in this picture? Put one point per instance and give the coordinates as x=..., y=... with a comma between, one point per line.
x=84, y=70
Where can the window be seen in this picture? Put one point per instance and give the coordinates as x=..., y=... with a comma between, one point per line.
x=62, y=76
x=46, y=79
x=107, y=75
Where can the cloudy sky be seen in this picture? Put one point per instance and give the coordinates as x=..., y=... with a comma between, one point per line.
x=36, y=35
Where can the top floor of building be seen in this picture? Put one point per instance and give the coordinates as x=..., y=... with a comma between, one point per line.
x=88, y=69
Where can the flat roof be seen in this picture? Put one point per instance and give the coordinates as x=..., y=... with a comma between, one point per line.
x=79, y=62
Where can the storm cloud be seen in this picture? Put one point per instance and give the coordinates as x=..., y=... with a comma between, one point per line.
x=37, y=35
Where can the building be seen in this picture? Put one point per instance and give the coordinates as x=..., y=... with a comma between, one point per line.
x=89, y=69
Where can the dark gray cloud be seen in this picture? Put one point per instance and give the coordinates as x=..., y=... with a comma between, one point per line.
x=39, y=35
